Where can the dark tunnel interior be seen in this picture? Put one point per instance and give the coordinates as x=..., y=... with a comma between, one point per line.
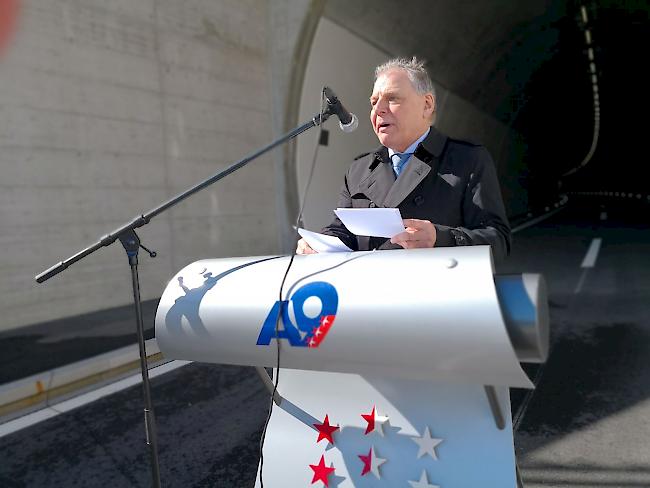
x=558, y=109
x=528, y=66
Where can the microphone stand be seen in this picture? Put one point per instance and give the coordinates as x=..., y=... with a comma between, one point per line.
x=131, y=242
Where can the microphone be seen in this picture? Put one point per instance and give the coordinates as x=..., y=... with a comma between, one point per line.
x=347, y=121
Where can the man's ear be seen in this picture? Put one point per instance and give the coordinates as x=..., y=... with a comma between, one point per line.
x=429, y=105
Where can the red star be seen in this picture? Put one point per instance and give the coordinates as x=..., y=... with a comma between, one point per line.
x=367, y=461
x=321, y=472
x=326, y=322
x=318, y=333
x=325, y=430
x=370, y=418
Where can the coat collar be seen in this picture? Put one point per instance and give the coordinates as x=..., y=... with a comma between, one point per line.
x=431, y=147
x=434, y=144
x=380, y=184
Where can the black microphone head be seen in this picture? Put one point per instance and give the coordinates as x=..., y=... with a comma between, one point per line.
x=347, y=121
x=330, y=96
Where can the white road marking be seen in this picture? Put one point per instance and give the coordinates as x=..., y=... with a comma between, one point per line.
x=588, y=262
x=67, y=405
x=536, y=220
x=592, y=253
x=581, y=281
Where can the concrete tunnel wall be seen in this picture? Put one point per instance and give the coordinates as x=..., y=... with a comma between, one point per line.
x=109, y=109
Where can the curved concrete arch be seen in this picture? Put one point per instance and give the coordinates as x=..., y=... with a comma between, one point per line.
x=483, y=51
x=292, y=29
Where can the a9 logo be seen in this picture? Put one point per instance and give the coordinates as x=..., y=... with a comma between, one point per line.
x=308, y=331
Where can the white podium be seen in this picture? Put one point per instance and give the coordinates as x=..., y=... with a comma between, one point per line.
x=394, y=365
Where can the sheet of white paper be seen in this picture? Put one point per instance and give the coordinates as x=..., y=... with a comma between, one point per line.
x=323, y=243
x=378, y=222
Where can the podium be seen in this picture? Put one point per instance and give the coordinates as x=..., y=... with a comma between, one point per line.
x=394, y=365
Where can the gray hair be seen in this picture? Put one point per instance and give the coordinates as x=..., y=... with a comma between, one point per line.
x=414, y=69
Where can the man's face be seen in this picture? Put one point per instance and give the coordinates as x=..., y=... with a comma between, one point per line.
x=399, y=115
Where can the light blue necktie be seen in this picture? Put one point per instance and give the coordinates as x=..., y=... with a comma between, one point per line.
x=399, y=160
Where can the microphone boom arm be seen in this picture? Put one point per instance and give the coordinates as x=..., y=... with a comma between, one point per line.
x=144, y=219
x=131, y=243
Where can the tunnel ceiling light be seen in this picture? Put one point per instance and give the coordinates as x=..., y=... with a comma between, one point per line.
x=594, y=82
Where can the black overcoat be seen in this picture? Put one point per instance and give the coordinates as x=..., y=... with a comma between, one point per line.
x=450, y=182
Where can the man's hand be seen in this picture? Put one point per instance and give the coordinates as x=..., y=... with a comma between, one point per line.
x=418, y=233
x=304, y=248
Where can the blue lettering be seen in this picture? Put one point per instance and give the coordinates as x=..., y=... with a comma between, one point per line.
x=285, y=329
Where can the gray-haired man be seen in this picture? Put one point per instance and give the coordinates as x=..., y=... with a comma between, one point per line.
x=446, y=189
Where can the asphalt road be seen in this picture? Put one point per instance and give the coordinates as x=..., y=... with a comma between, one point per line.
x=588, y=422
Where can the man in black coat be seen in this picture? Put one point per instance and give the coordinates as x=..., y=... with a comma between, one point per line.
x=446, y=189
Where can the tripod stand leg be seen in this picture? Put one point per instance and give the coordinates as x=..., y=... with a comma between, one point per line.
x=131, y=244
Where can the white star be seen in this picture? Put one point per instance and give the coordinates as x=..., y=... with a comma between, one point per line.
x=380, y=421
x=302, y=334
x=375, y=462
x=324, y=321
x=423, y=482
x=427, y=444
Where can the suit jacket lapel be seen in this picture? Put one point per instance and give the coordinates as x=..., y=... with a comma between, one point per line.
x=414, y=172
x=380, y=185
x=379, y=181
x=424, y=160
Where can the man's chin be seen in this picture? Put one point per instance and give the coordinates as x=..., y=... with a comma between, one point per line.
x=384, y=139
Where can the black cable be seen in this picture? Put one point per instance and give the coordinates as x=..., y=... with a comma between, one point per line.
x=284, y=279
